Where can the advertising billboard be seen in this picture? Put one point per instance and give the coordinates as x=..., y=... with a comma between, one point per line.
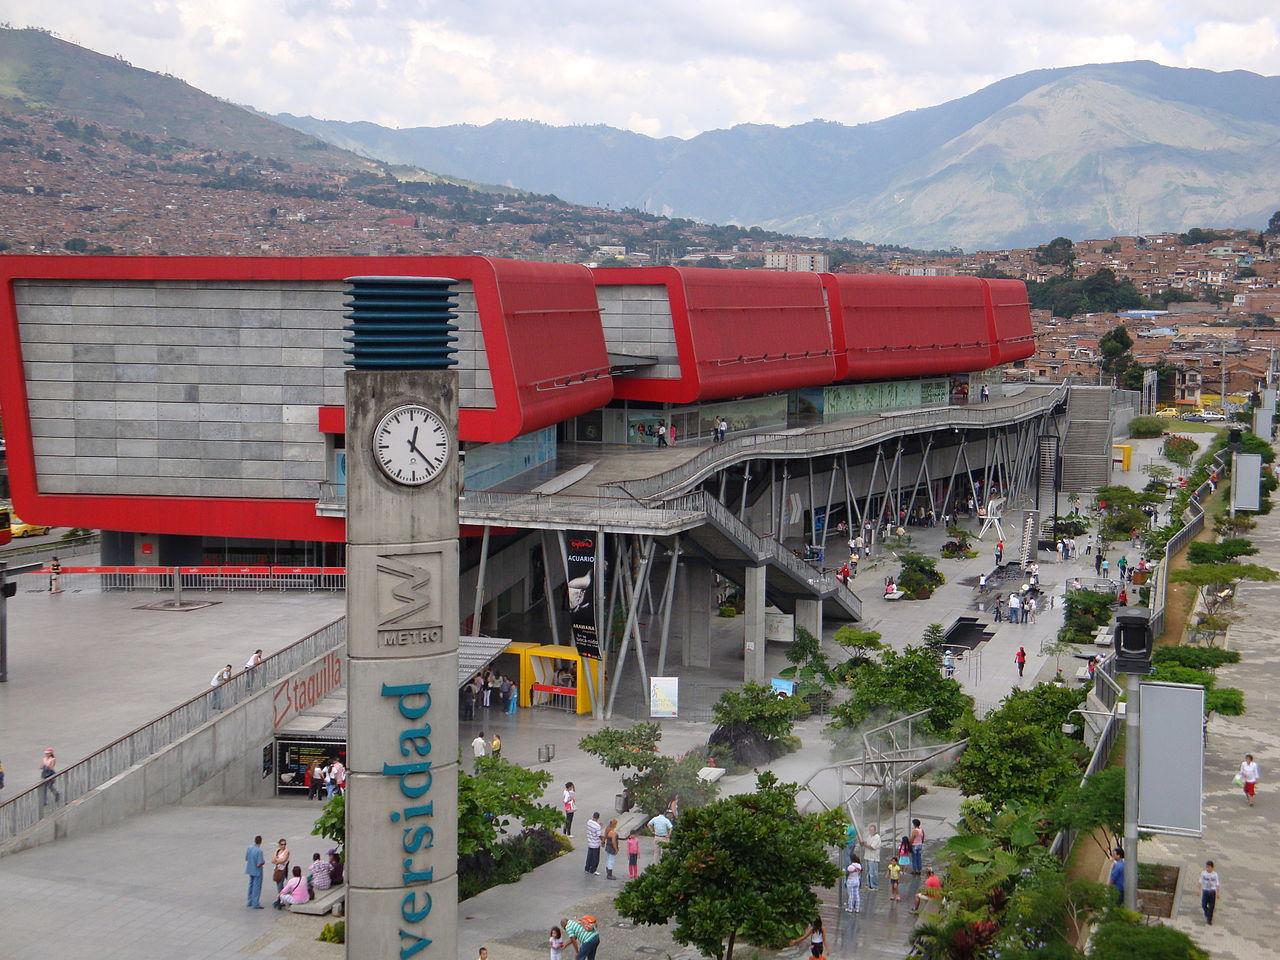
x=1171, y=758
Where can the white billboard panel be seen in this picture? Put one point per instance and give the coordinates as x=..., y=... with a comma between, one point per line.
x=1246, y=481
x=1171, y=758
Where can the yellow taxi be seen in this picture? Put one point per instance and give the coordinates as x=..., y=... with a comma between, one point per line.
x=1168, y=413
x=18, y=528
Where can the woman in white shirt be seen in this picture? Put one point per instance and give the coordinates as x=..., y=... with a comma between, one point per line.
x=871, y=844
x=1249, y=774
x=570, y=805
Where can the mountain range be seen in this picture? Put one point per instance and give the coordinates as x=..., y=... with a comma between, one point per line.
x=1086, y=151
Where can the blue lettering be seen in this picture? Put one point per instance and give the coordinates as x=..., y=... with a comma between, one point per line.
x=401, y=691
x=409, y=908
x=419, y=738
x=405, y=770
x=419, y=944
x=420, y=876
x=413, y=838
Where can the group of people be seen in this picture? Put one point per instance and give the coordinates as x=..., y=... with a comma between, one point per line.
x=481, y=692
x=580, y=936
x=481, y=748
x=223, y=676
x=293, y=885
x=325, y=780
x=720, y=430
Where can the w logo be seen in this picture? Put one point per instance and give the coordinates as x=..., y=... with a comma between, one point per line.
x=412, y=586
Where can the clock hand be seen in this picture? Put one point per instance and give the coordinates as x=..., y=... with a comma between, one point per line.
x=414, y=447
x=414, y=439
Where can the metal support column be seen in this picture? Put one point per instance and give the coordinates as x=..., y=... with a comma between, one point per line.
x=1131, y=762
x=632, y=628
x=548, y=598
x=478, y=608
x=667, y=604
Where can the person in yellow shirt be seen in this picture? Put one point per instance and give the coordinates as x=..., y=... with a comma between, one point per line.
x=895, y=874
x=495, y=748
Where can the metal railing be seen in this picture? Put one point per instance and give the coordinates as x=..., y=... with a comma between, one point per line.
x=28, y=808
x=1064, y=840
x=67, y=547
x=1194, y=524
x=206, y=578
x=813, y=443
x=569, y=511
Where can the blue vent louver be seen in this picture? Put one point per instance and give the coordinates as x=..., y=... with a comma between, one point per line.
x=400, y=323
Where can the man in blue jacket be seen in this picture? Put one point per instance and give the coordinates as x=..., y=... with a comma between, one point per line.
x=253, y=860
x=1117, y=873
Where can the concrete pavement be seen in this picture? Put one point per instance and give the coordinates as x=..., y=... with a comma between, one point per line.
x=88, y=667
x=1238, y=837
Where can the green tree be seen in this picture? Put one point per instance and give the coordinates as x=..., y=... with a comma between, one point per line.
x=332, y=822
x=810, y=668
x=657, y=777
x=903, y=683
x=1019, y=752
x=1059, y=252
x=76, y=245
x=501, y=791
x=758, y=709
x=742, y=868
x=1095, y=807
x=1273, y=225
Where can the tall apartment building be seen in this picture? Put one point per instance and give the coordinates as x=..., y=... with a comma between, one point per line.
x=796, y=262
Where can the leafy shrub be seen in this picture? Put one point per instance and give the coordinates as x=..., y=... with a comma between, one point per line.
x=728, y=611
x=758, y=709
x=919, y=576
x=1019, y=752
x=1174, y=673
x=335, y=932
x=657, y=777
x=499, y=793
x=1198, y=658
x=509, y=860
x=1224, y=701
x=1142, y=428
x=1071, y=526
x=1123, y=935
x=1086, y=611
x=1179, y=450
x=902, y=683
x=332, y=822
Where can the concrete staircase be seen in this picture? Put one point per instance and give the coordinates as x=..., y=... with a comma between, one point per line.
x=1086, y=450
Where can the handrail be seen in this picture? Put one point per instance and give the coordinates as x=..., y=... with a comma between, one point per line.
x=746, y=446
x=26, y=809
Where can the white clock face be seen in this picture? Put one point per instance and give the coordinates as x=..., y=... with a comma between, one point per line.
x=411, y=444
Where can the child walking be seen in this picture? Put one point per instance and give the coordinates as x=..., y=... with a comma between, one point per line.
x=633, y=856
x=556, y=941
x=895, y=874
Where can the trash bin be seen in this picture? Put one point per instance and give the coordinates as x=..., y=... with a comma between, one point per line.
x=622, y=802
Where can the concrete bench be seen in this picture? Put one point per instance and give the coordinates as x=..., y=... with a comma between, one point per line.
x=323, y=902
x=1083, y=675
x=896, y=595
x=710, y=774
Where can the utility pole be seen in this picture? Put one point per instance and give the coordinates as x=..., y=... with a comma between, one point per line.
x=7, y=589
x=1222, y=391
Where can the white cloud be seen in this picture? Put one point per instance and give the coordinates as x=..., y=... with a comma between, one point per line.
x=661, y=68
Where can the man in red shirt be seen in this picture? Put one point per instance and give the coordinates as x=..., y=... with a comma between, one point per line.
x=932, y=889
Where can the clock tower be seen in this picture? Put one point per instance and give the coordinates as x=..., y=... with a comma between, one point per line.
x=402, y=620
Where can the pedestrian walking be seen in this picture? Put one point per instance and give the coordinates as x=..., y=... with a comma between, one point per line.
x=999, y=552
x=1209, y=884
x=871, y=847
x=48, y=771
x=1097, y=564
x=610, y=848
x=999, y=609
x=1248, y=777
x=853, y=885
x=1015, y=608
x=724, y=429
x=477, y=751
x=467, y=701
x=817, y=938
x=55, y=575
x=583, y=935
x=253, y=861
x=1116, y=877
x=633, y=855
x=671, y=435
x=949, y=664
x=594, y=832
x=662, y=433
x=661, y=827
x=917, y=847
x=850, y=841
x=1020, y=658
x=895, y=877
x=570, y=804
x=280, y=864
x=1032, y=607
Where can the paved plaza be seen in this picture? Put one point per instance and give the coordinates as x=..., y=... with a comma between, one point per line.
x=1239, y=839
x=87, y=667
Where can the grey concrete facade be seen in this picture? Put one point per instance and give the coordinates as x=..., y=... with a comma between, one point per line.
x=637, y=322
x=194, y=389
x=402, y=696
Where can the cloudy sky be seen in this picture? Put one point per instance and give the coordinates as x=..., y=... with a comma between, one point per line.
x=664, y=67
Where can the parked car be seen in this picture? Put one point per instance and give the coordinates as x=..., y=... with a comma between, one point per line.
x=1210, y=417
x=18, y=528
x=1168, y=413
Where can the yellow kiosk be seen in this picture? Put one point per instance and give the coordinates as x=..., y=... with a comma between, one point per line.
x=555, y=676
